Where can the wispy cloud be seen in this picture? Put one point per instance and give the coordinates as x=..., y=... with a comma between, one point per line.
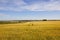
x=12, y=5
x=31, y=5
x=1, y=14
x=52, y=5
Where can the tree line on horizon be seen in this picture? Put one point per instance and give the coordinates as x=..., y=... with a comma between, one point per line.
x=22, y=21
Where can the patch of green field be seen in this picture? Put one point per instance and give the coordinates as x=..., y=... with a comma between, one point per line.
x=40, y=30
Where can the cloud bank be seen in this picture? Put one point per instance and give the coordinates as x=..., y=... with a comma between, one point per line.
x=30, y=5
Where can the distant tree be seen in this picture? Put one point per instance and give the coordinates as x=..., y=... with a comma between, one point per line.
x=44, y=20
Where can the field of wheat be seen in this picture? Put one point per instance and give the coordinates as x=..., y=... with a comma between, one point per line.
x=37, y=30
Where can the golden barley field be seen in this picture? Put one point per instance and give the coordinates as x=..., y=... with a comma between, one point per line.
x=36, y=30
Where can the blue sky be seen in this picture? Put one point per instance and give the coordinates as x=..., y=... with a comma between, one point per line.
x=29, y=9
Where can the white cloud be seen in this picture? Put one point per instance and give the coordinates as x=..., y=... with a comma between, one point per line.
x=51, y=6
x=20, y=5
